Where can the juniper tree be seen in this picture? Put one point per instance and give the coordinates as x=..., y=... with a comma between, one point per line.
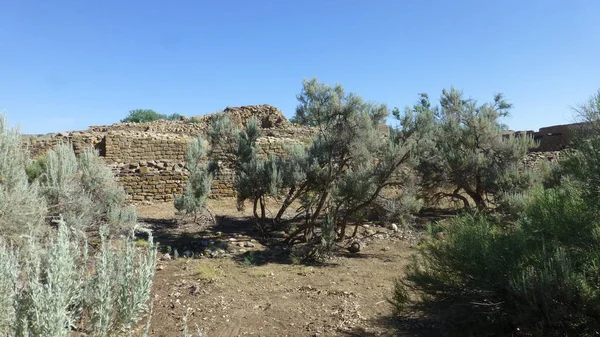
x=343, y=171
x=256, y=177
x=470, y=158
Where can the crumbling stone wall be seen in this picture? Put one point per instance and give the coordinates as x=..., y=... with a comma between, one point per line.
x=552, y=138
x=124, y=147
x=40, y=144
x=149, y=158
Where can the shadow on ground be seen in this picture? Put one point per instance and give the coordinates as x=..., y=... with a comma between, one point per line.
x=204, y=234
x=396, y=327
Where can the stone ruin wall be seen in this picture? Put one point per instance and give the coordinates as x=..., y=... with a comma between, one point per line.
x=148, y=158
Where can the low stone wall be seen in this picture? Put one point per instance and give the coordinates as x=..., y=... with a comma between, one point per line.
x=552, y=138
x=40, y=144
x=151, y=180
x=149, y=158
x=129, y=148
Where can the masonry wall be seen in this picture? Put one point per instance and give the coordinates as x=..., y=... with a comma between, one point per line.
x=151, y=166
x=129, y=148
x=40, y=144
x=149, y=159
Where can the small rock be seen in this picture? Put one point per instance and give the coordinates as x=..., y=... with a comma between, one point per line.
x=214, y=253
x=249, y=245
x=354, y=247
x=394, y=227
x=160, y=267
x=366, y=226
x=219, y=233
x=232, y=239
x=166, y=257
x=385, y=249
x=279, y=234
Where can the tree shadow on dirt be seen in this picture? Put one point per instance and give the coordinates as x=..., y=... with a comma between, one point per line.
x=397, y=327
x=203, y=237
x=222, y=236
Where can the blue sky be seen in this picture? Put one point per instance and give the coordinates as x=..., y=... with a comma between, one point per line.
x=65, y=65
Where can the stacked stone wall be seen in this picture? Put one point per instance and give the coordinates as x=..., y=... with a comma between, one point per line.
x=149, y=158
x=130, y=148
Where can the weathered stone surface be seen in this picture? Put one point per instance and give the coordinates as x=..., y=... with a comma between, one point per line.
x=149, y=158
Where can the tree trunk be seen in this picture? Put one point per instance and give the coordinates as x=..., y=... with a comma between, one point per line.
x=343, y=229
x=255, y=208
x=262, y=208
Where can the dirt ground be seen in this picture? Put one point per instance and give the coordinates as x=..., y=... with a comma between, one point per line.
x=232, y=282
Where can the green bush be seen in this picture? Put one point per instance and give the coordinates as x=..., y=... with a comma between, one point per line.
x=35, y=168
x=148, y=115
x=539, y=276
x=469, y=159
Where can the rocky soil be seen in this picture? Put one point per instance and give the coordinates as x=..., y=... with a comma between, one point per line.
x=231, y=282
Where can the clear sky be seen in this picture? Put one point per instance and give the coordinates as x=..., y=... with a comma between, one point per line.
x=65, y=65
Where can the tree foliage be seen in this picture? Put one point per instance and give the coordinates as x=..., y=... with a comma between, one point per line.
x=470, y=160
x=583, y=164
x=148, y=115
x=536, y=276
x=256, y=177
x=341, y=173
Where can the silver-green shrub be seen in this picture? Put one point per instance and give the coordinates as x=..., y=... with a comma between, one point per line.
x=9, y=275
x=536, y=274
x=83, y=190
x=49, y=285
x=22, y=208
x=199, y=181
x=59, y=293
x=343, y=172
x=469, y=160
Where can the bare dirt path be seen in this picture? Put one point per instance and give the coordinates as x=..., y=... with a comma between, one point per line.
x=250, y=290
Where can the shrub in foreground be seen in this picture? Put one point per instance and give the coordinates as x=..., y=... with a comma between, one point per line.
x=22, y=208
x=54, y=284
x=54, y=289
x=538, y=277
x=83, y=190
